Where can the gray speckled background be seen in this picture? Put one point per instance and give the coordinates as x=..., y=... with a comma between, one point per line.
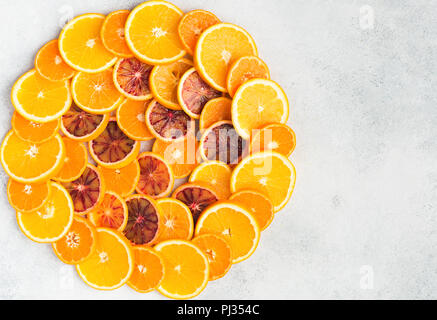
x=361, y=78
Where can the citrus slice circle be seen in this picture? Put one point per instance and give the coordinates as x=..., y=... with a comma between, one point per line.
x=148, y=271
x=156, y=176
x=110, y=265
x=50, y=222
x=235, y=223
x=271, y=106
x=27, y=197
x=131, y=119
x=175, y=220
x=112, y=33
x=40, y=100
x=276, y=137
x=218, y=252
x=81, y=46
x=143, y=222
x=186, y=269
x=151, y=32
x=217, y=173
x=34, y=131
x=110, y=213
x=131, y=78
x=28, y=162
x=215, y=110
x=217, y=48
x=112, y=148
x=122, y=181
x=75, y=161
x=268, y=172
x=194, y=93
x=78, y=244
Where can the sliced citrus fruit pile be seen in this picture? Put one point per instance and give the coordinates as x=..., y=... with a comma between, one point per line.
x=149, y=147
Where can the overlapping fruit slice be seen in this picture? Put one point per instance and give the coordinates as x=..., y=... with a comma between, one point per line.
x=197, y=196
x=186, y=269
x=122, y=181
x=80, y=125
x=156, y=177
x=215, y=110
x=110, y=213
x=87, y=191
x=221, y=142
x=111, y=264
x=112, y=148
x=112, y=33
x=168, y=124
x=217, y=173
x=75, y=161
x=131, y=78
x=50, y=65
x=235, y=223
x=131, y=119
x=148, y=271
x=28, y=162
x=143, y=222
x=194, y=93
x=50, y=222
x=276, y=137
x=175, y=221
x=34, y=131
x=78, y=244
x=27, y=197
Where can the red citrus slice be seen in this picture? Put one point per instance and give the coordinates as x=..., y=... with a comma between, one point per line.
x=143, y=219
x=194, y=93
x=131, y=78
x=87, y=191
x=197, y=196
x=167, y=124
x=110, y=213
x=112, y=148
x=156, y=176
x=221, y=142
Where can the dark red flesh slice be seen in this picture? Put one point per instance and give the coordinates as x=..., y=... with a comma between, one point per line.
x=80, y=123
x=142, y=223
x=154, y=176
x=133, y=77
x=168, y=123
x=196, y=93
x=112, y=145
x=196, y=198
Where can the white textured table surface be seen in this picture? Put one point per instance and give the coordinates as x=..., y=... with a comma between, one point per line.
x=361, y=78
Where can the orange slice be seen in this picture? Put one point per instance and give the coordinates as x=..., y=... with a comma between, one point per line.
x=235, y=223
x=50, y=65
x=264, y=100
x=131, y=119
x=192, y=25
x=110, y=213
x=131, y=78
x=164, y=81
x=180, y=155
x=27, y=197
x=148, y=270
x=122, y=181
x=156, y=176
x=219, y=254
x=81, y=46
x=258, y=204
x=216, y=173
x=40, y=100
x=152, y=32
x=34, y=131
x=194, y=93
x=175, y=220
x=244, y=69
x=112, y=148
x=268, y=172
x=83, y=126
x=28, y=162
x=96, y=93
x=112, y=33
x=217, y=48
x=78, y=244
x=186, y=269
x=75, y=161
x=215, y=110
x=276, y=137
x=87, y=191
x=52, y=221
x=110, y=265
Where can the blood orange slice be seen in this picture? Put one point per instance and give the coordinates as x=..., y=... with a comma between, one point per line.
x=168, y=124
x=87, y=191
x=131, y=78
x=112, y=148
x=110, y=213
x=156, y=176
x=197, y=196
x=143, y=222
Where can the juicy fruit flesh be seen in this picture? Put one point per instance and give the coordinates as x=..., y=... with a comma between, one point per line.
x=110, y=213
x=197, y=199
x=154, y=176
x=80, y=123
x=133, y=77
x=112, y=145
x=168, y=123
x=142, y=223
